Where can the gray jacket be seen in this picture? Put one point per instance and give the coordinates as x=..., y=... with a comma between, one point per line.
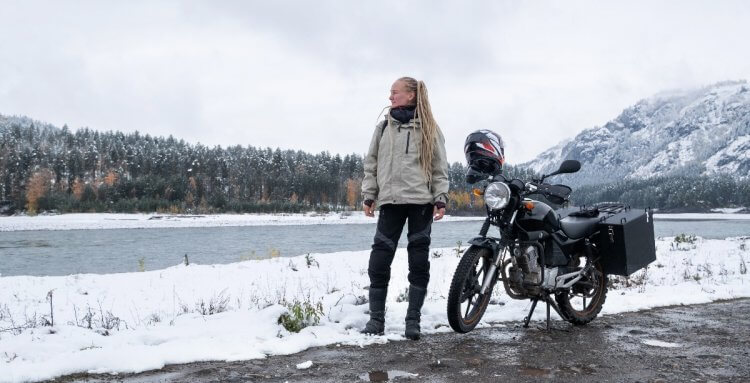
x=392, y=171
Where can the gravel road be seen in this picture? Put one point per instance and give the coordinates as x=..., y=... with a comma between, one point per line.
x=699, y=343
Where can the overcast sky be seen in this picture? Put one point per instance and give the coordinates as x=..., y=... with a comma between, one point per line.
x=314, y=75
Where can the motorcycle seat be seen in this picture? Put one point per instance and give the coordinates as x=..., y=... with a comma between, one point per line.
x=578, y=227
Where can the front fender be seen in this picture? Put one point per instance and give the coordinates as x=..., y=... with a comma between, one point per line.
x=488, y=243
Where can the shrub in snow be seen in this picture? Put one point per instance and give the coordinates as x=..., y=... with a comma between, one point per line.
x=458, y=250
x=217, y=304
x=101, y=323
x=743, y=266
x=154, y=318
x=684, y=242
x=300, y=315
x=310, y=261
x=403, y=296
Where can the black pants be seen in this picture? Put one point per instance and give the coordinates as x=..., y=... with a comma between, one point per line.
x=390, y=225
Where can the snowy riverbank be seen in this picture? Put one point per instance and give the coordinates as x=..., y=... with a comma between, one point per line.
x=92, y=221
x=132, y=322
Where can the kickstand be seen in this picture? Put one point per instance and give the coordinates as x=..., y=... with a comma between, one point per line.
x=528, y=318
x=547, y=313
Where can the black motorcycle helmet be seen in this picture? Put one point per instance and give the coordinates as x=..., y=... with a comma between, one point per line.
x=485, y=155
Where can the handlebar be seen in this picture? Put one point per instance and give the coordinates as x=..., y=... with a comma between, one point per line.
x=536, y=187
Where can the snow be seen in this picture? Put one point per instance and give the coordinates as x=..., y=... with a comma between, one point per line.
x=730, y=158
x=685, y=132
x=702, y=216
x=304, y=365
x=93, y=221
x=90, y=221
x=728, y=210
x=549, y=159
x=658, y=343
x=145, y=320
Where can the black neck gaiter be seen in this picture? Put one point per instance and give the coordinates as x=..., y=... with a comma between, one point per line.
x=403, y=114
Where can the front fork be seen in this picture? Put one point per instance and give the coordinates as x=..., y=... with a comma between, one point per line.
x=492, y=273
x=497, y=258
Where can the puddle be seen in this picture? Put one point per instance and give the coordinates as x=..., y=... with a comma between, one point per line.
x=551, y=372
x=535, y=372
x=147, y=377
x=578, y=369
x=385, y=376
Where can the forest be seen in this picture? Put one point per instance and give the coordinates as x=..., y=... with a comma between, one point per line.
x=48, y=169
x=675, y=193
x=45, y=168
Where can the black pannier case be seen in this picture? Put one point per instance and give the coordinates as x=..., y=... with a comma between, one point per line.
x=626, y=241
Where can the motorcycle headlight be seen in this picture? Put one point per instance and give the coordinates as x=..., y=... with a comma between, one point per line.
x=497, y=195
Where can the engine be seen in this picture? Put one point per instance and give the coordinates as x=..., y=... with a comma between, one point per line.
x=525, y=274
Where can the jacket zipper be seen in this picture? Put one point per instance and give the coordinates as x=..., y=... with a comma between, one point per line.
x=392, y=147
x=408, y=134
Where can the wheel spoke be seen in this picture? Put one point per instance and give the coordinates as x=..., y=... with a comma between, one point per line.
x=469, y=291
x=584, y=300
x=472, y=286
x=468, y=279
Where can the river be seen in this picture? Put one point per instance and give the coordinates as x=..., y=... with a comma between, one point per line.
x=63, y=252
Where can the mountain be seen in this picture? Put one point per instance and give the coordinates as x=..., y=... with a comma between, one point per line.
x=699, y=132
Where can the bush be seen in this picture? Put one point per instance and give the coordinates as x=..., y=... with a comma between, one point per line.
x=685, y=238
x=301, y=315
x=217, y=304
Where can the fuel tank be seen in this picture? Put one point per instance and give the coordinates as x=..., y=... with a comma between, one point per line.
x=541, y=217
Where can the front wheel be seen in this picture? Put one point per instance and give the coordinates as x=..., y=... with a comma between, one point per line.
x=583, y=302
x=465, y=304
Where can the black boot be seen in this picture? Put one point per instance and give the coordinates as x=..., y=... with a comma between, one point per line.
x=376, y=324
x=413, y=313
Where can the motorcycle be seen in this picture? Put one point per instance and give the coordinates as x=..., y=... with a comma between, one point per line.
x=554, y=256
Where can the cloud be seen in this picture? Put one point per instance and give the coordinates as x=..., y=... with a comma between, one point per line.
x=314, y=76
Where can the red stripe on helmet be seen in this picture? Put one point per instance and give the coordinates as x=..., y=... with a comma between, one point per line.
x=489, y=147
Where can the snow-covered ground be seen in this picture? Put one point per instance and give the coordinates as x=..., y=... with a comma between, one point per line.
x=702, y=216
x=131, y=322
x=140, y=221
x=728, y=210
x=90, y=221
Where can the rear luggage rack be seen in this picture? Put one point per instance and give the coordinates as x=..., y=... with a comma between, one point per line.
x=611, y=207
x=602, y=210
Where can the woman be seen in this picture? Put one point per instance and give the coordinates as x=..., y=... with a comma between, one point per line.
x=406, y=175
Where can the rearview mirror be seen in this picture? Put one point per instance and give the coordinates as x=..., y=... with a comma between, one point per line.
x=569, y=166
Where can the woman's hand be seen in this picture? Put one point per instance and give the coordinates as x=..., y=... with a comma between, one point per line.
x=438, y=213
x=369, y=209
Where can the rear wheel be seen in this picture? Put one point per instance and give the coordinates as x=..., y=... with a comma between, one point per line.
x=465, y=304
x=583, y=302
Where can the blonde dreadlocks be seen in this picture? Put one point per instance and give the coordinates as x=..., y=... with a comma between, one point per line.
x=430, y=129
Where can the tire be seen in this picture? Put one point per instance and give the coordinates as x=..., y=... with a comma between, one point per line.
x=465, y=305
x=583, y=302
